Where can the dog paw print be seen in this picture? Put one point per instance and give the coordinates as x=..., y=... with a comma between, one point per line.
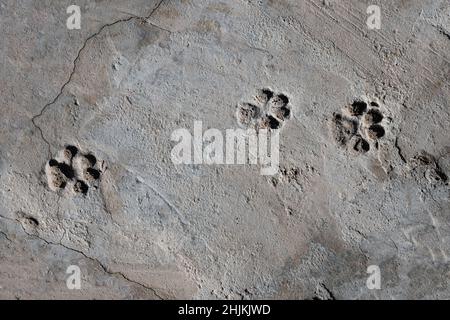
x=358, y=126
x=269, y=111
x=73, y=171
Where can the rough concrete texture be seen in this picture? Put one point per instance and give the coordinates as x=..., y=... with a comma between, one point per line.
x=364, y=155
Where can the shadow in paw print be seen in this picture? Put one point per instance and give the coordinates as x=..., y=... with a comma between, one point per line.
x=372, y=116
x=91, y=158
x=357, y=108
x=282, y=113
x=279, y=101
x=91, y=174
x=66, y=170
x=70, y=152
x=52, y=163
x=264, y=95
x=360, y=145
x=269, y=122
x=375, y=132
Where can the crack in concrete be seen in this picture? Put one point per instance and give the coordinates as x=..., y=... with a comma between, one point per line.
x=96, y=261
x=41, y=113
x=101, y=265
x=77, y=58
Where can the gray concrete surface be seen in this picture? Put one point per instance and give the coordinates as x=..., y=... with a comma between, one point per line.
x=346, y=196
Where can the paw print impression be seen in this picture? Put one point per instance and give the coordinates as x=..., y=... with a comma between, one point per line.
x=269, y=111
x=72, y=171
x=358, y=126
